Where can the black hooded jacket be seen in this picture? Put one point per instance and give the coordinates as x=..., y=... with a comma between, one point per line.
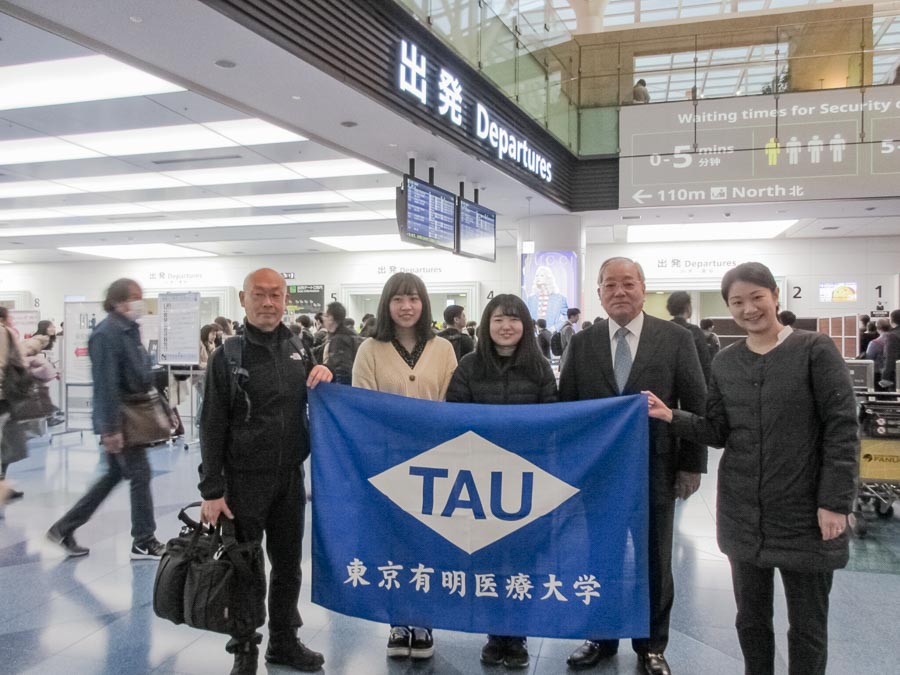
x=273, y=433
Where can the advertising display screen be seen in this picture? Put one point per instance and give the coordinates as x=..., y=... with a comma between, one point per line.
x=831, y=291
x=477, y=231
x=426, y=214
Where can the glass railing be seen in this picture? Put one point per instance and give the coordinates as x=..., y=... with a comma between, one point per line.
x=575, y=86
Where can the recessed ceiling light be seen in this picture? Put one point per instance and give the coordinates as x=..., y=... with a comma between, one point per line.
x=84, y=78
x=226, y=63
x=871, y=208
x=707, y=231
x=333, y=168
x=349, y=124
x=135, y=19
x=369, y=242
x=296, y=97
x=6, y=262
x=139, y=251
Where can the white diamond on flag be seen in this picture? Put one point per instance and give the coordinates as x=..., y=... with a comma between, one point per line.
x=472, y=492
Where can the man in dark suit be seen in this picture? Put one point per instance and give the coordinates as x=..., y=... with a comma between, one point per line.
x=626, y=354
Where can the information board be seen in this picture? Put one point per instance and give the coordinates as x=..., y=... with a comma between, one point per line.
x=832, y=144
x=477, y=231
x=426, y=214
x=307, y=299
x=179, y=328
x=80, y=319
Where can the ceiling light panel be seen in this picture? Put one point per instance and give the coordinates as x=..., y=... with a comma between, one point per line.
x=294, y=198
x=139, y=251
x=371, y=242
x=34, y=188
x=333, y=168
x=43, y=149
x=371, y=194
x=253, y=132
x=76, y=80
x=227, y=175
x=230, y=175
x=120, y=182
x=638, y=234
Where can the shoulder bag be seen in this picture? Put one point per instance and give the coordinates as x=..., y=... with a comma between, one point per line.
x=145, y=419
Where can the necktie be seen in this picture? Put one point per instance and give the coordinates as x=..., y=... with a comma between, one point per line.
x=622, y=361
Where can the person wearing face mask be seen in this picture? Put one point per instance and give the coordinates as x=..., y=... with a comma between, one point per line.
x=120, y=366
x=507, y=367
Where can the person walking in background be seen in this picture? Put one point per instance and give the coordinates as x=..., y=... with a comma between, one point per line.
x=573, y=316
x=623, y=355
x=14, y=441
x=227, y=329
x=891, y=352
x=869, y=335
x=679, y=307
x=340, y=347
x=875, y=349
x=7, y=343
x=406, y=358
x=306, y=334
x=120, y=366
x=454, y=325
x=507, y=368
x=543, y=338
x=787, y=318
x=781, y=403
x=712, y=340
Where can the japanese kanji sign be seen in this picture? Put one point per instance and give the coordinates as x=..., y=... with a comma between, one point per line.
x=510, y=520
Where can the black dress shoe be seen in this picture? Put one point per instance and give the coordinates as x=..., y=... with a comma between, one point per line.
x=654, y=664
x=591, y=653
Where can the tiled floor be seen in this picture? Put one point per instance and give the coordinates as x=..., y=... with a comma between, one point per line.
x=94, y=615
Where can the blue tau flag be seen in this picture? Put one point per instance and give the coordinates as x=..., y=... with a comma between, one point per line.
x=509, y=520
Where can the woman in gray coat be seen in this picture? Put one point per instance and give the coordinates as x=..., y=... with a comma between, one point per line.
x=781, y=403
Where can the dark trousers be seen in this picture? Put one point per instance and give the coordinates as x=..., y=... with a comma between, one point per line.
x=131, y=465
x=662, y=585
x=274, y=504
x=807, y=605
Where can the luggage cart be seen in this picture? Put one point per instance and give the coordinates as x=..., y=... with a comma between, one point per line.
x=879, y=456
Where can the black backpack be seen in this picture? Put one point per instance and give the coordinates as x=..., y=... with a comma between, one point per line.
x=233, y=349
x=556, y=344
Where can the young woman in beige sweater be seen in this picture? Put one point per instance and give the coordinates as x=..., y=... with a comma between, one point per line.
x=406, y=358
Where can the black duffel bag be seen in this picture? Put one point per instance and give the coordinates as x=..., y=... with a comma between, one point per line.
x=207, y=580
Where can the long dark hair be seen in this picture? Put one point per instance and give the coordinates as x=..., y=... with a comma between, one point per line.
x=527, y=357
x=403, y=283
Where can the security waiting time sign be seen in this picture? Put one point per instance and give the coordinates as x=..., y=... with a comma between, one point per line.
x=830, y=144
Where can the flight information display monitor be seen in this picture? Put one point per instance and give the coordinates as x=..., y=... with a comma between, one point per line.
x=477, y=231
x=426, y=214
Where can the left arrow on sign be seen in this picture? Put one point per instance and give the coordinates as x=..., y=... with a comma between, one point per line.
x=640, y=196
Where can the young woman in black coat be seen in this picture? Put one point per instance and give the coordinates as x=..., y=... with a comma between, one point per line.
x=506, y=367
x=781, y=403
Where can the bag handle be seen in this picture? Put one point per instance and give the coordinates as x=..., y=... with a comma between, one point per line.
x=226, y=533
x=186, y=519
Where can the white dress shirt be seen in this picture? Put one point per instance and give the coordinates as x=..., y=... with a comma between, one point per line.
x=635, y=326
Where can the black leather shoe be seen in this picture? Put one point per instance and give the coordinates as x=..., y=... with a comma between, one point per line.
x=296, y=655
x=654, y=664
x=591, y=653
